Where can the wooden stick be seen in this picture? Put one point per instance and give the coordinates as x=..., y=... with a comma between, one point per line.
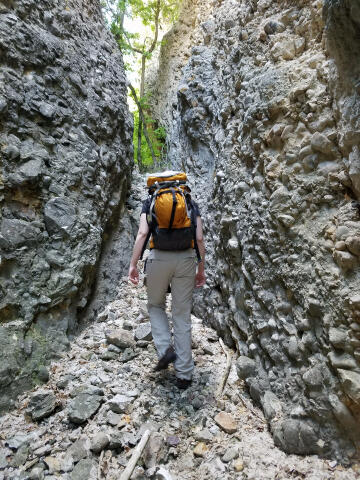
x=249, y=407
x=99, y=467
x=225, y=377
x=135, y=456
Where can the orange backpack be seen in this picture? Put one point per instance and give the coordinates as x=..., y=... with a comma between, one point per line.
x=171, y=218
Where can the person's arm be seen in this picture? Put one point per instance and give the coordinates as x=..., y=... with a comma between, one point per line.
x=138, y=246
x=200, y=278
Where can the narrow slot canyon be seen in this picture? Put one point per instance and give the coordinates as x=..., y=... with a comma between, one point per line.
x=260, y=102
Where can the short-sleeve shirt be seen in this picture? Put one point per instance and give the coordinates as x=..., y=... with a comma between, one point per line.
x=147, y=203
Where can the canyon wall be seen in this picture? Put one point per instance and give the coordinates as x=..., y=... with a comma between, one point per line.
x=266, y=121
x=66, y=148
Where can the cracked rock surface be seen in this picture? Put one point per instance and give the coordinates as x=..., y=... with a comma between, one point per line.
x=267, y=123
x=65, y=148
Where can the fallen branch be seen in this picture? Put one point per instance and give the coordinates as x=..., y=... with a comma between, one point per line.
x=249, y=407
x=99, y=467
x=135, y=456
x=225, y=377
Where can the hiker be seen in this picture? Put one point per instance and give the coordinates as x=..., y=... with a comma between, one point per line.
x=171, y=220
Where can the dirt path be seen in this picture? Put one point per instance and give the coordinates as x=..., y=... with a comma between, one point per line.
x=118, y=384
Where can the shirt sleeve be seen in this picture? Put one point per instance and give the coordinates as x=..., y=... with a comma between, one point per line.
x=146, y=206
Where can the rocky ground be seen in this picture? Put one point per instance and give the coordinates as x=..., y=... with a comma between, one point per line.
x=102, y=395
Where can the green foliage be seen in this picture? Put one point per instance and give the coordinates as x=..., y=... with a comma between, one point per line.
x=151, y=14
x=158, y=141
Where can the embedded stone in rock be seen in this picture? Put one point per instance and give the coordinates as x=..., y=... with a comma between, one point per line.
x=353, y=244
x=17, y=233
x=120, y=403
x=271, y=405
x=85, y=469
x=226, y=422
x=121, y=338
x=143, y=332
x=342, y=360
x=345, y=260
x=42, y=404
x=84, y=405
x=321, y=144
x=245, y=367
x=59, y=216
x=351, y=384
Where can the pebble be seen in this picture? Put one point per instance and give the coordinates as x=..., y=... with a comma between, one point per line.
x=200, y=450
x=238, y=465
x=226, y=422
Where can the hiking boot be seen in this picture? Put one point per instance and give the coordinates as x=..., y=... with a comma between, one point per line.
x=168, y=357
x=183, y=383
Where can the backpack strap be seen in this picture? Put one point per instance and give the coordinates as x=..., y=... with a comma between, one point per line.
x=194, y=221
x=173, y=208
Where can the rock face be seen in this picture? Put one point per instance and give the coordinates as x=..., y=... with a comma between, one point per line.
x=267, y=123
x=65, y=144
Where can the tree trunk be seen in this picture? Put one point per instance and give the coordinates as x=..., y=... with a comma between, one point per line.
x=142, y=118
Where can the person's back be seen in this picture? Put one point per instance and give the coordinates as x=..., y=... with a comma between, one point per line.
x=172, y=222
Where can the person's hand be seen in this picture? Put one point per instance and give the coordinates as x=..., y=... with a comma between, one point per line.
x=200, y=279
x=133, y=274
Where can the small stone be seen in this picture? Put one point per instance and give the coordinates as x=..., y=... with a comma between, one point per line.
x=113, y=418
x=238, y=465
x=245, y=367
x=208, y=350
x=37, y=473
x=53, y=464
x=226, y=422
x=345, y=260
x=322, y=144
x=230, y=454
x=172, y=440
x=163, y=474
x=42, y=404
x=85, y=469
x=353, y=245
x=47, y=110
x=200, y=450
x=99, y=442
x=204, y=436
x=79, y=449
x=143, y=332
x=351, y=384
x=43, y=374
x=120, y=403
x=121, y=338
x=85, y=404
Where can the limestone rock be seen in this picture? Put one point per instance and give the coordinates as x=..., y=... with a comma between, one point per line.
x=200, y=450
x=66, y=151
x=42, y=404
x=226, y=422
x=351, y=384
x=121, y=338
x=84, y=405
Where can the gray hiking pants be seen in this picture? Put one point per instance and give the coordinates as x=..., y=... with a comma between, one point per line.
x=178, y=269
